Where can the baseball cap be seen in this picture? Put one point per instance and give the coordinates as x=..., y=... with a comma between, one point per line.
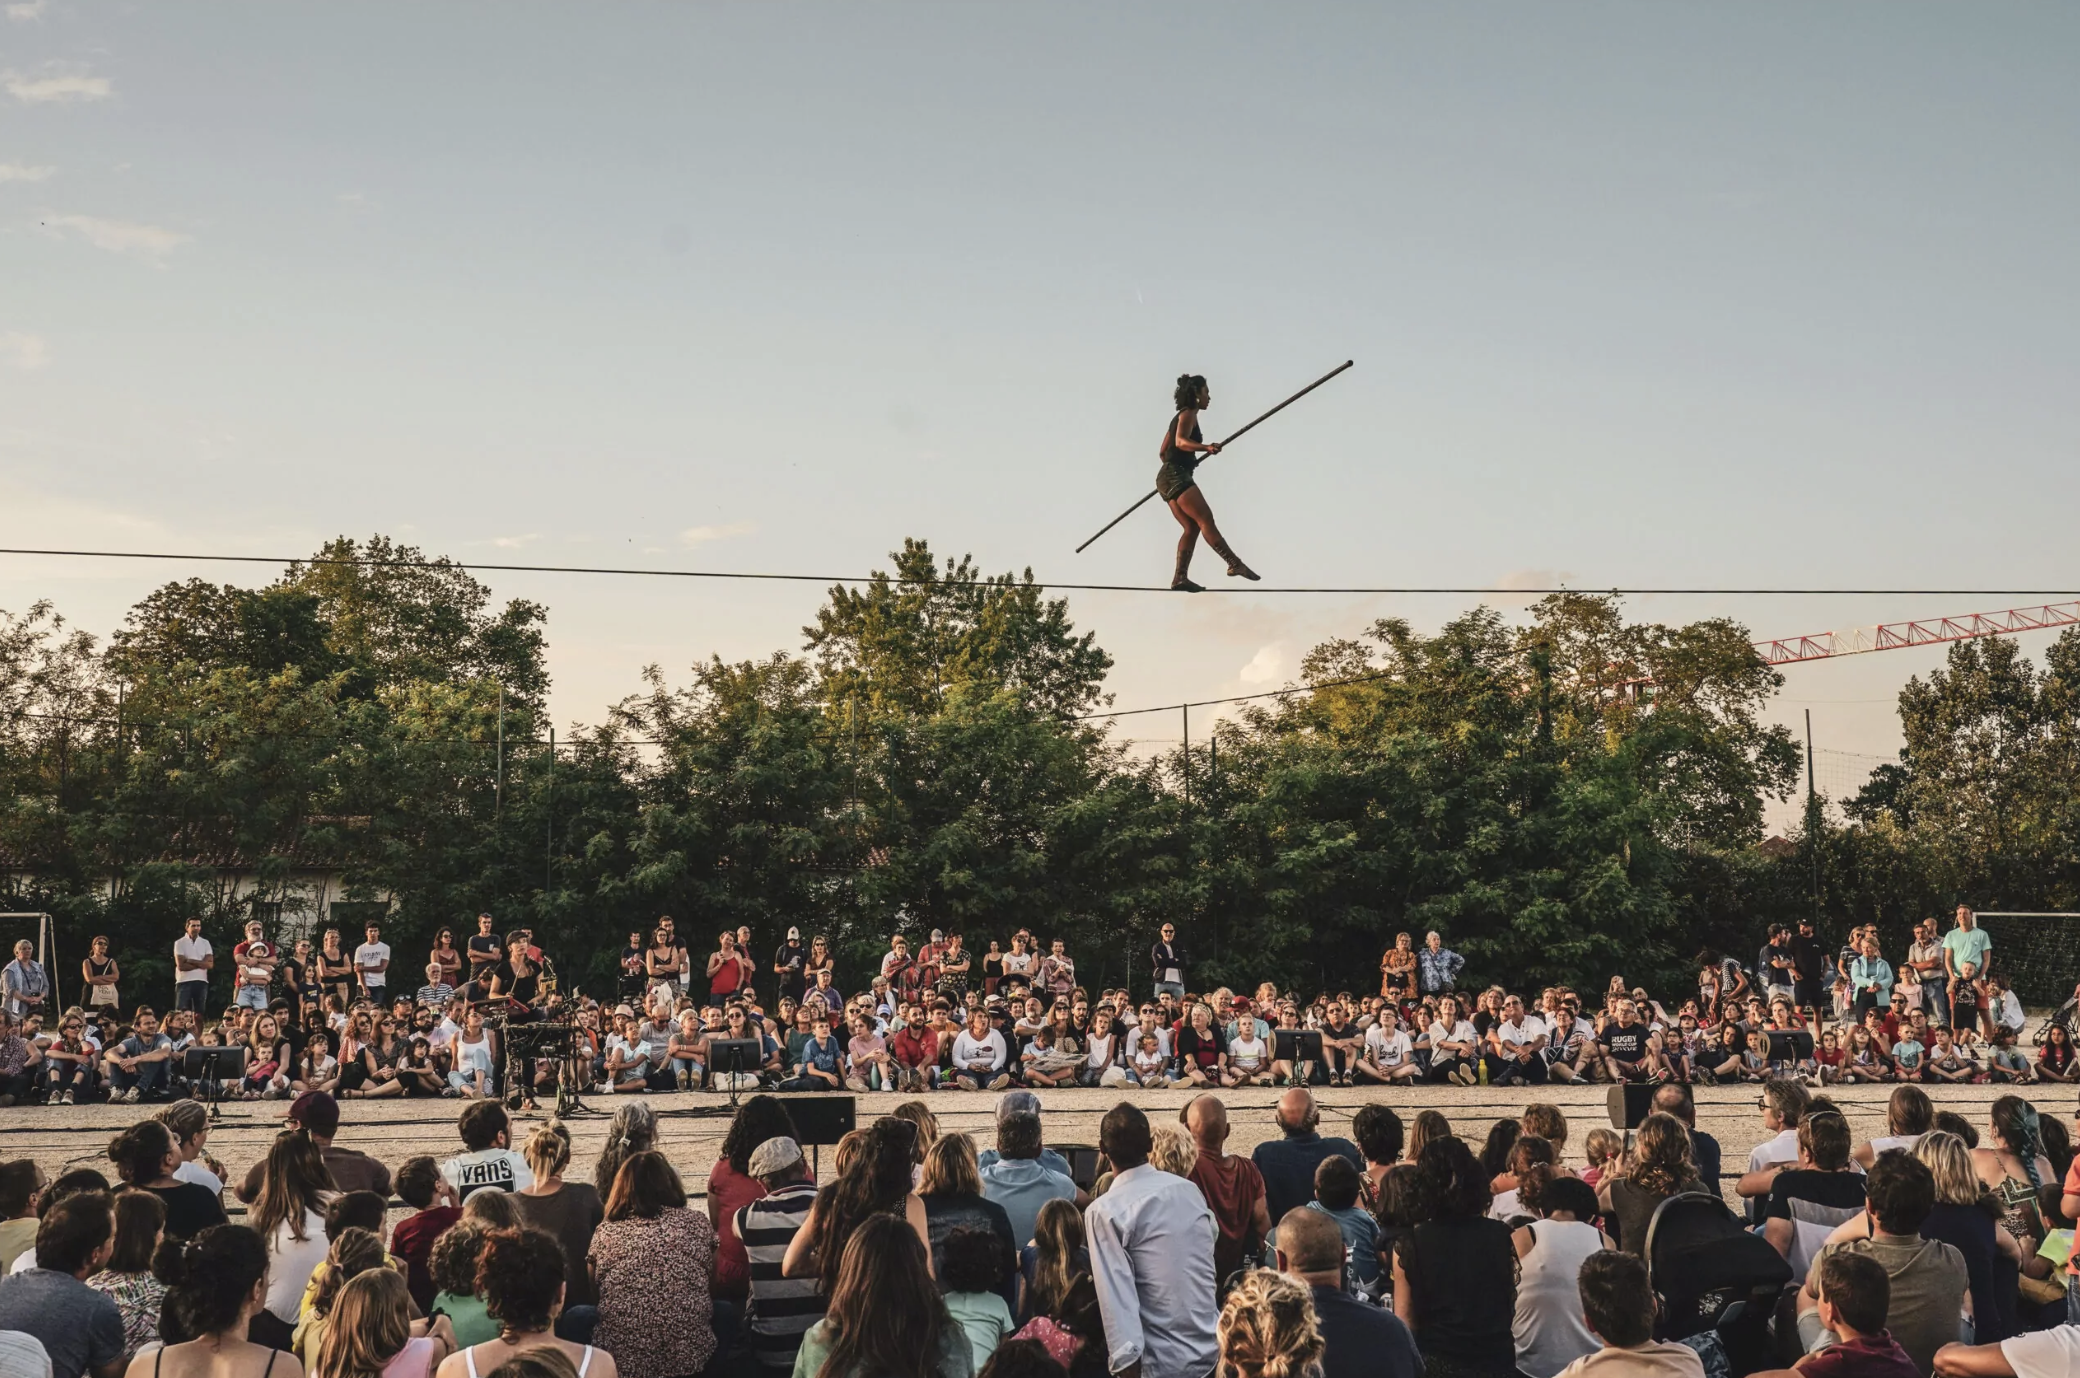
x=1011, y=1102
x=793, y=933
x=774, y=1155
x=1240, y=1002
x=316, y=1111
x=938, y=935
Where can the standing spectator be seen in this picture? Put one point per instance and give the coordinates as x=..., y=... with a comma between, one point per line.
x=1397, y=978
x=781, y=1309
x=436, y=1209
x=1929, y=1279
x=522, y=1277
x=488, y=1159
x=102, y=975
x=1548, y=1331
x=822, y=968
x=1966, y=945
x=1358, y=1340
x=79, y=1328
x=372, y=963
x=1658, y=1167
x=317, y=1114
x=1018, y=1181
x=146, y=1157
x=1773, y=964
x=1231, y=1184
x=1058, y=971
x=654, y=1260
x=885, y=1314
x=335, y=972
x=1167, y=960
x=1437, y=966
x=1151, y=1243
x=485, y=950
x=568, y=1212
x=1809, y=967
x=1618, y=1305
x=193, y=959
x=791, y=966
x=732, y=1185
x=128, y=1280
x=1287, y=1164
x=444, y=954
x=1268, y=1328
x=25, y=984
x=1925, y=956
x=253, y=961
x=729, y=970
x=1454, y=1270
x=1870, y=979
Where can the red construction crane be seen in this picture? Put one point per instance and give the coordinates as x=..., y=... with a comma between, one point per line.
x=1893, y=636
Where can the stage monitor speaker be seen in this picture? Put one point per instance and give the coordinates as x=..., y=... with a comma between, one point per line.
x=821, y=1119
x=1630, y=1103
x=1083, y=1163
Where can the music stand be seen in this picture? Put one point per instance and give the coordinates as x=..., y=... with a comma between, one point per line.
x=1296, y=1045
x=213, y=1065
x=1790, y=1045
x=730, y=1055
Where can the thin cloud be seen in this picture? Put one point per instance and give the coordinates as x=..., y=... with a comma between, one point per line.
x=24, y=172
x=24, y=351
x=58, y=86
x=1267, y=666
x=119, y=236
x=27, y=10
x=695, y=535
x=514, y=542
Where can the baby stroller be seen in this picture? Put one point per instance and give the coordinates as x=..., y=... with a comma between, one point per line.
x=1710, y=1275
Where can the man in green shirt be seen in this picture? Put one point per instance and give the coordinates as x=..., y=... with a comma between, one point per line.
x=1966, y=943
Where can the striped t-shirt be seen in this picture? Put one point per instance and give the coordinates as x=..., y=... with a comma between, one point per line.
x=781, y=1310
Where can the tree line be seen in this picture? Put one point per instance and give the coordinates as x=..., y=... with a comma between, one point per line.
x=1569, y=797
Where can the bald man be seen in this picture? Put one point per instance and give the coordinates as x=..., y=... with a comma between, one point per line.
x=1233, y=1187
x=1358, y=1341
x=1288, y=1163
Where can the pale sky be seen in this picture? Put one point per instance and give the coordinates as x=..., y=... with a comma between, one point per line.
x=1758, y=294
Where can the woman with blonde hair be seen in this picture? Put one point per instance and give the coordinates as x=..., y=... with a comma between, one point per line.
x=1050, y=1265
x=568, y=1212
x=1173, y=1151
x=352, y=1254
x=1267, y=1329
x=951, y=1190
x=1658, y=1168
x=370, y=1333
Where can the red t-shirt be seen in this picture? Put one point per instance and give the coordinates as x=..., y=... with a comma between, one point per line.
x=1872, y=1356
x=413, y=1241
x=727, y=977
x=729, y=1191
x=1232, y=1187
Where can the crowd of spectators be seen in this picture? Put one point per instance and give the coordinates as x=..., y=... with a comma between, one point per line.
x=947, y=1018
x=1939, y=1247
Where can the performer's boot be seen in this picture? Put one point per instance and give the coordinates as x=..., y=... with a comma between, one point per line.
x=1236, y=569
x=1181, y=580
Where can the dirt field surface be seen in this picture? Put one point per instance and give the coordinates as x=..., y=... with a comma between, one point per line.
x=692, y=1124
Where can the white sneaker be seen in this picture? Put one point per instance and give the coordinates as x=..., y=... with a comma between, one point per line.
x=66, y=1099
x=130, y=1096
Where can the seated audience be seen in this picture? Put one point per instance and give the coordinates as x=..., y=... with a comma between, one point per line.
x=1548, y=1329
x=652, y=1259
x=1618, y=1308
x=1358, y=1340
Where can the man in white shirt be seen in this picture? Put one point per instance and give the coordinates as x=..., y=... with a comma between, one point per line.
x=979, y=1055
x=490, y=1162
x=2053, y=1353
x=193, y=958
x=1151, y=1241
x=372, y=963
x=1513, y=1047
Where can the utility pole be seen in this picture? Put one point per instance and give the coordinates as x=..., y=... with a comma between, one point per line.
x=1187, y=752
x=498, y=787
x=1812, y=819
x=549, y=820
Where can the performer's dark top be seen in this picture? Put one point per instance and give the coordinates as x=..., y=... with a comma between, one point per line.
x=1172, y=454
x=521, y=988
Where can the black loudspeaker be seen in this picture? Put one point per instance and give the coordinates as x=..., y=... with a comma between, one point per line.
x=820, y=1119
x=1083, y=1163
x=1630, y=1103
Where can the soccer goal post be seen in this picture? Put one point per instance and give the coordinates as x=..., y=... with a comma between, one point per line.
x=2038, y=951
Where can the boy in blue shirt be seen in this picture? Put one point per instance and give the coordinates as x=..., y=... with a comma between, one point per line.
x=820, y=1067
x=1336, y=1196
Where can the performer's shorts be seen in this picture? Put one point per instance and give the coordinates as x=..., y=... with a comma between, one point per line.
x=1172, y=480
